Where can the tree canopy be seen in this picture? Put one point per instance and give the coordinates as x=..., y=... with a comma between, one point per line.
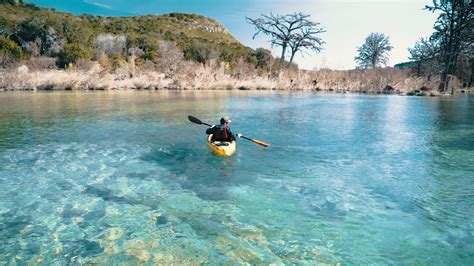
x=294, y=31
x=454, y=31
x=425, y=50
x=374, y=51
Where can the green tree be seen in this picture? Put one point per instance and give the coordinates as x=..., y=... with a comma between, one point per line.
x=264, y=59
x=11, y=2
x=37, y=37
x=71, y=53
x=199, y=52
x=29, y=31
x=374, y=51
x=150, y=47
x=10, y=52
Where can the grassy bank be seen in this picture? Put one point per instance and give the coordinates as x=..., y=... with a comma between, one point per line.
x=193, y=76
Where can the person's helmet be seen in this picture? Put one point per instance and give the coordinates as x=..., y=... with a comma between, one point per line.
x=225, y=120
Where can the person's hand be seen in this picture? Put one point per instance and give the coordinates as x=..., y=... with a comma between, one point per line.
x=239, y=135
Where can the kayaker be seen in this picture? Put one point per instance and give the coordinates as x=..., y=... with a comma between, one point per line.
x=222, y=132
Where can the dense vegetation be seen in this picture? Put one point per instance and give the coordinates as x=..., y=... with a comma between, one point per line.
x=41, y=32
x=449, y=50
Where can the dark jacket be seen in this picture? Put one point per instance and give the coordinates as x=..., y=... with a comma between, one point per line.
x=219, y=133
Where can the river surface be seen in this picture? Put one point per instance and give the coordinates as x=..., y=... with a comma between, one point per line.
x=114, y=177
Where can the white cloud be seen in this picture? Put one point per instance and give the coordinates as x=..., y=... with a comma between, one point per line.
x=97, y=4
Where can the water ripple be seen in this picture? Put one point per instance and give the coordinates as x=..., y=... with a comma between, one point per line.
x=124, y=178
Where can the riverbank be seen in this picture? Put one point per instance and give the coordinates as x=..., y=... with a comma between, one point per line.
x=374, y=81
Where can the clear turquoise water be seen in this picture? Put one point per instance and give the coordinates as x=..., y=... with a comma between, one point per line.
x=124, y=177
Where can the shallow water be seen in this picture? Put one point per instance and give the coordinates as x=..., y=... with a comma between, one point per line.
x=124, y=177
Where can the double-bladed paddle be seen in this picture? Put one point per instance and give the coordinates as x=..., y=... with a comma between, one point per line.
x=199, y=122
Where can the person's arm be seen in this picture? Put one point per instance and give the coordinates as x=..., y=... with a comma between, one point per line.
x=232, y=136
x=211, y=130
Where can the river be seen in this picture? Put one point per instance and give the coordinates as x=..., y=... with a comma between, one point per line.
x=114, y=177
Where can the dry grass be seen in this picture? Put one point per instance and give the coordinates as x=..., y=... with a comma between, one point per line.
x=193, y=76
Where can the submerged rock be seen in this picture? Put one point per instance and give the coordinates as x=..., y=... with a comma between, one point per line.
x=161, y=220
x=83, y=248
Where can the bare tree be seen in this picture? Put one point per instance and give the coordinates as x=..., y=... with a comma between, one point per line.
x=454, y=31
x=374, y=51
x=53, y=43
x=306, y=39
x=288, y=30
x=110, y=44
x=133, y=53
x=424, y=51
x=171, y=59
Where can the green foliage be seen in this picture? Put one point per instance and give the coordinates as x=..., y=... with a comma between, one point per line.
x=29, y=30
x=71, y=53
x=149, y=45
x=264, y=59
x=199, y=37
x=11, y=2
x=199, y=52
x=9, y=51
x=116, y=61
x=405, y=65
x=455, y=36
x=424, y=50
x=252, y=60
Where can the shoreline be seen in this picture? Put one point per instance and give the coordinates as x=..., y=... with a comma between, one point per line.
x=387, y=81
x=269, y=91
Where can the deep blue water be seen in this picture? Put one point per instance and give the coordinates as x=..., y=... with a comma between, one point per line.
x=124, y=177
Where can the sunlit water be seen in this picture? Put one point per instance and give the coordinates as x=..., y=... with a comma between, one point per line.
x=121, y=177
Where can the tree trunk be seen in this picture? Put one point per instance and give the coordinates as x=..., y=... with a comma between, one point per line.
x=418, y=69
x=283, y=51
x=471, y=79
x=132, y=66
x=448, y=57
x=443, y=85
x=293, y=53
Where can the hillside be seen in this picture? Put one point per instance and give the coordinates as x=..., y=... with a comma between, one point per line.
x=42, y=49
x=199, y=37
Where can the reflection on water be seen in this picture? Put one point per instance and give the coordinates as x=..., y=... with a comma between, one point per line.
x=120, y=177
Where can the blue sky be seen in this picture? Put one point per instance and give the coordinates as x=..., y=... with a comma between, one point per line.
x=347, y=22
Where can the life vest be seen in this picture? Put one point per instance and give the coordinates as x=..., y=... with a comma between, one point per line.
x=221, y=134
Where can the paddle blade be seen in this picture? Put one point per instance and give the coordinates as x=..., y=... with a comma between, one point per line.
x=258, y=142
x=261, y=143
x=195, y=120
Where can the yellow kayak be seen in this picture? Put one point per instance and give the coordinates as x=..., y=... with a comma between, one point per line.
x=224, y=148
